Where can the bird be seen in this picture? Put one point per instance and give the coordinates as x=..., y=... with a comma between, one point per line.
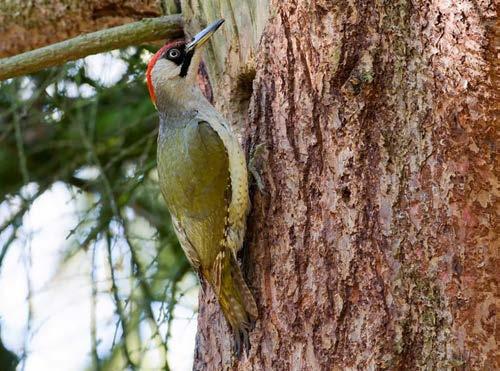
x=203, y=178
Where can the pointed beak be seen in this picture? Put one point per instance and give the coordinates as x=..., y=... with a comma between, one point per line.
x=203, y=36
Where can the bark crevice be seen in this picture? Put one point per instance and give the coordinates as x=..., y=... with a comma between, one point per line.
x=372, y=246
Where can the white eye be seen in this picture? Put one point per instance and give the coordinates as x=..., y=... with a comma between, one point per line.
x=174, y=53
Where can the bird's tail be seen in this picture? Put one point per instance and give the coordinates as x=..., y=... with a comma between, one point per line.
x=236, y=300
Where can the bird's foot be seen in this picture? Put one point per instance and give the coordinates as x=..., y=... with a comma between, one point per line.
x=257, y=153
x=241, y=344
x=202, y=283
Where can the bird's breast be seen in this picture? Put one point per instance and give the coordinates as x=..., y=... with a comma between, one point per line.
x=194, y=179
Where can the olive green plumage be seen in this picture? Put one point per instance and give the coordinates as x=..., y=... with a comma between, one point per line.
x=193, y=167
x=203, y=177
x=194, y=177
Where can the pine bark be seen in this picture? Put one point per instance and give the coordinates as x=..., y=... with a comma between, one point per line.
x=374, y=244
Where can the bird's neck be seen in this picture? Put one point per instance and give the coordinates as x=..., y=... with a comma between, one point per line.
x=180, y=99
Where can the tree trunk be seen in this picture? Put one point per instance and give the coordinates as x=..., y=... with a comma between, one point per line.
x=373, y=246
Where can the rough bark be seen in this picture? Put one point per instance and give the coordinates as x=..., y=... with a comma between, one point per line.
x=27, y=25
x=230, y=55
x=375, y=245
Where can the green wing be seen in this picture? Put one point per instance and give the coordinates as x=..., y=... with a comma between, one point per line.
x=194, y=177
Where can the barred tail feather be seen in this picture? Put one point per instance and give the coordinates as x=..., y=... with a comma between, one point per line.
x=236, y=300
x=241, y=286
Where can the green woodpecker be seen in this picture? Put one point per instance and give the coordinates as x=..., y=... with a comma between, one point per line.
x=203, y=177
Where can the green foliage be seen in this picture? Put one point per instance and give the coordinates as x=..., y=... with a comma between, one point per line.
x=63, y=125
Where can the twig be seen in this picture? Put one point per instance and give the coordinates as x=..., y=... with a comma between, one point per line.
x=16, y=219
x=119, y=308
x=93, y=315
x=6, y=245
x=29, y=299
x=138, y=270
x=20, y=150
x=95, y=158
x=112, y=204
x=27, y=104
x=173, y=301
x=132, y=148
x=146, y=30
x=146, y=292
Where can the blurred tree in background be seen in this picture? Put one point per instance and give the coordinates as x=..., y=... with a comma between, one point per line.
x=66, y=125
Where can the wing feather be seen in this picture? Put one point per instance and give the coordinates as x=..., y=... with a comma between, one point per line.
x=187, y=246
x=239, y=202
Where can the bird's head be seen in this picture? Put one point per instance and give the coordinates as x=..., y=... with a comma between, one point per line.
x=171, y=72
